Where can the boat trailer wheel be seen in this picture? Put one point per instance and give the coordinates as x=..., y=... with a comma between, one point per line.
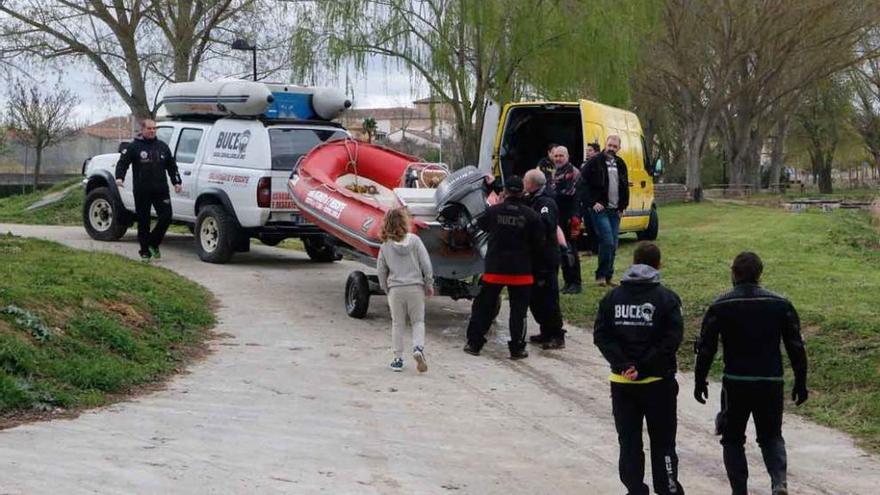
x=357, y=294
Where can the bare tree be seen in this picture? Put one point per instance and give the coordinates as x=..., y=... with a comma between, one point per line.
x=822, y=117
x=135, y=45
x=40, y=120
x=736, y=68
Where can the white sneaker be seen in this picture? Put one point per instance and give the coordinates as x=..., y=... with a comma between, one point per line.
x=419, y=356
x=397, y=364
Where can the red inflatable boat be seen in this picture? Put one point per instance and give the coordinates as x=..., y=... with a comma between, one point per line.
x=346, y=186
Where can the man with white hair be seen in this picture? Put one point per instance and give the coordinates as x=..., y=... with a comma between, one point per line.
x=544, y=301
x=563, y=186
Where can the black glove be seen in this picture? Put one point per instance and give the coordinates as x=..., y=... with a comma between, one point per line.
x=701, y=392
x=799, y=393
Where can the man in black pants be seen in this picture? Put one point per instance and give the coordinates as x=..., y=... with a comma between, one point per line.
x=751, y=322
x=544, y=301
x=563, y=186
x=515, y=242
x=150, y=160
x=638, y=330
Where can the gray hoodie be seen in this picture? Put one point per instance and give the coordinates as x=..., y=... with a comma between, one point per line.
x=404, y=263
x=641, y=274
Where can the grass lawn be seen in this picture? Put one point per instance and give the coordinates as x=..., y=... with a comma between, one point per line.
x=827, y=264
x=66, y=212
x=80, y=329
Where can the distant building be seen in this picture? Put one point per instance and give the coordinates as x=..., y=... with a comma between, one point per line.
x=426, y=122
x=67, y=157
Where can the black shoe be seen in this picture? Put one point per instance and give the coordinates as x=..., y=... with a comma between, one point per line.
x=557, y=343
x=574, y=289
x=472, y=350
x=539, y=339
x=519, y=354
x=566, y=289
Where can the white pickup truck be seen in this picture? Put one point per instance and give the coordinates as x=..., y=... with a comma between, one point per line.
x=234, y=172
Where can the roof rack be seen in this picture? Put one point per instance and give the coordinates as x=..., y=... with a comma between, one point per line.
x=261, y=118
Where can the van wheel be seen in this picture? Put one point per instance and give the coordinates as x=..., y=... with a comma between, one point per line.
x=216, y=233
x=104, y=218
x=650, y=234
x=357, y=295
x=320, y=248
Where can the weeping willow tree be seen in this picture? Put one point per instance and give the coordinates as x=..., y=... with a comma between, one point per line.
x=471, y=51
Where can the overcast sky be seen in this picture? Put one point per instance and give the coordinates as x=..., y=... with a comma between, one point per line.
x=382, y=86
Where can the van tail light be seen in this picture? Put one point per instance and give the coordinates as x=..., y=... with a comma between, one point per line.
x=264, y=192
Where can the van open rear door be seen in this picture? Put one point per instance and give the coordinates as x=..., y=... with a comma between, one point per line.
x=491, y=116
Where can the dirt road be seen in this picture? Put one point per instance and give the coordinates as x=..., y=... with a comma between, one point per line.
x=297, y=398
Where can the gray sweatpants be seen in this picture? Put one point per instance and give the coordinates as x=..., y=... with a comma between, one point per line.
x=407, y=302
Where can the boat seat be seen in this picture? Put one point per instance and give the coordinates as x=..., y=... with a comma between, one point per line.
x=418, y=201
x=383, y=195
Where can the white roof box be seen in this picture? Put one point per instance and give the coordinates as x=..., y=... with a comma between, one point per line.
x=249, y=98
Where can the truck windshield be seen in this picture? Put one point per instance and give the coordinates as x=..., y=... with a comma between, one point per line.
x=289, y=145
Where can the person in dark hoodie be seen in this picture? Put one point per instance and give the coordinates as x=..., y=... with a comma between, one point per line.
x=150, y=160
x=515, y=241
x=544, y=300
x=639, y=329
x=563, y=186
x=751, y=322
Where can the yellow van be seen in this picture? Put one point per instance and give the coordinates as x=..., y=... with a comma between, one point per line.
x=515, y=138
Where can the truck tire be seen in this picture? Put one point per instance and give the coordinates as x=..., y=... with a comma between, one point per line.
x=216, y=234
x=650, y=233
x=320, y=249
x=357, y=294
x=104, y=217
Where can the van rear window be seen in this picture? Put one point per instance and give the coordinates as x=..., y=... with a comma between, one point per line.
x=289, y=145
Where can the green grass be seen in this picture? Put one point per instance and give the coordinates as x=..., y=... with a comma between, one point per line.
x=826, y=263
x=79, y=328
x=66, y=212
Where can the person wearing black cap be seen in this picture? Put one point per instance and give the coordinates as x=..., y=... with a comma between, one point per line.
x=515, y=242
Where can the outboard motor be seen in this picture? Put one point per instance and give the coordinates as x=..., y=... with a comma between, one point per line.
x=460, y=200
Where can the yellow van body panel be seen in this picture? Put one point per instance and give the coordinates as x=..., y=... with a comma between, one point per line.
x=598, y=122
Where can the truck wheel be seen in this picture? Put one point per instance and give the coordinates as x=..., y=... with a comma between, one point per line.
x=320, y=249
x=104, y=218
x=357, y=294
x=216, y=233
x=650, y=233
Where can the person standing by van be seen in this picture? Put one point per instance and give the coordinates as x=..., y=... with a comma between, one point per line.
x=638, y=330
x=545, y=164
x=605, y=192
x=515, y=242
x=563, y=186
x=405, y=274
x=751, y=323
x=544, y=301
x=150, y=160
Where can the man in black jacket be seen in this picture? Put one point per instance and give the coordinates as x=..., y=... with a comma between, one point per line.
x=150, y=160
x=638, y=329
x=544, y=300
x=515, y=243
x=604, y=195
x=563, y=186
x=751, y=322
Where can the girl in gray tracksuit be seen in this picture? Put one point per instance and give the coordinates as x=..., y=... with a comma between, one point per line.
x=405, y=274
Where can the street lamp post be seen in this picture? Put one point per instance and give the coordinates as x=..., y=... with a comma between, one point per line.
x=241, y=44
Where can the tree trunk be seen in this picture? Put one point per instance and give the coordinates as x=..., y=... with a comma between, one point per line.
x=825, y=186
x=37, y=163
x=777, y=153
